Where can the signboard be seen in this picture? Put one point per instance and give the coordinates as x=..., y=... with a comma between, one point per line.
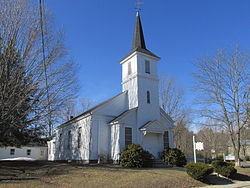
x=199, y=146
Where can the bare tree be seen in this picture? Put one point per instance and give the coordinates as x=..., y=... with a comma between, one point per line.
x=183, y=138
x=73, y=108
x=171, y=98
x=20, y=29
x=85, y=104
x=223, y=81
x=172, y=101
x=215, y=141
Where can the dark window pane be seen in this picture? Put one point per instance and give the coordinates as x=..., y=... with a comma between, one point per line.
x=147, y=67
x=148, y=97
x=28, y=151
x=166, y=139
x=12, y=151
x=128, y=136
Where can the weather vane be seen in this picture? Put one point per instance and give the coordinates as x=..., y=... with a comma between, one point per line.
x=138, y=5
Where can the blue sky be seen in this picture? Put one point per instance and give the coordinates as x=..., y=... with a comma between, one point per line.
x=98, y=34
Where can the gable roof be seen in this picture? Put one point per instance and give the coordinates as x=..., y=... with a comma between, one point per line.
x=123, y=115
x=153, y=126
x=166, y=116
x=91, y=109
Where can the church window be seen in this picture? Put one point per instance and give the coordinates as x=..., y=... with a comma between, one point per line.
x=148, y=97
x=147, y=67
x=12, y=151
x=69, y=139
x=129, y=68
x=166, y=139
x=79, y=141
x=28, y=151
x=42, y=153
x=60, y=141
x=128, y=136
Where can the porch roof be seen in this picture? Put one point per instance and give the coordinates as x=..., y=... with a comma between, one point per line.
x=153, y=127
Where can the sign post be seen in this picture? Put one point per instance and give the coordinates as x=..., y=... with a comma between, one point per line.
x=197, y=146
x=194, y=149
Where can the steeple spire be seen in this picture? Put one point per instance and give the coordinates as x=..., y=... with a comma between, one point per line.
x=138, y=38
x=138, y=44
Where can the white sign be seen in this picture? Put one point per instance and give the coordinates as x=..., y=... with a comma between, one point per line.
x=199, y=146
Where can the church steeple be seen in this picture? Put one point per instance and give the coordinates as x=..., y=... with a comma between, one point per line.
x=138, y=44
x=140, y=75
x=138, y=38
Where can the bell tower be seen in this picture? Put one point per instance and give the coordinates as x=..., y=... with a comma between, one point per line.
x=140, y=76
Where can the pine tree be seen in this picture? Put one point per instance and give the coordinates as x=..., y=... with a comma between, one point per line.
x=16, y=98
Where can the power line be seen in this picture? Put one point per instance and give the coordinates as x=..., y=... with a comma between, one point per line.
x=45, y=69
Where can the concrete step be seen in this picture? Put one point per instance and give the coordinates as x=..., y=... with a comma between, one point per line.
x=158, y=163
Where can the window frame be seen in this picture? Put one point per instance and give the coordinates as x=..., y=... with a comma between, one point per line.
x=28, y=152
x=166, y=139
x=129, y=68
x=147, y=66
x=60, y=141
x=148, y=97
x=12, y=151
x=69, y=139
x=79, y=137
x=128, y=132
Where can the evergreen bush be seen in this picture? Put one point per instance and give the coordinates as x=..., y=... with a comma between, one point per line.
x=174, y=157
x=224, y=168
x=198, y=171
x=136, y=157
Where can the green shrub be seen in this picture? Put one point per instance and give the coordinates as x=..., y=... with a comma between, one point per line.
x=198, y=171
x=247, y=158
x=224, y=168
x=218, y=163
x=135, y=156
x=174, y=157
x=227, y=171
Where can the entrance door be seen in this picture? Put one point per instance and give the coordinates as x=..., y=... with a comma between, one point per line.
x=152, y=143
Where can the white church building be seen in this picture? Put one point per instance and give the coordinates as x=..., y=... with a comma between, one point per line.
x=132, y=116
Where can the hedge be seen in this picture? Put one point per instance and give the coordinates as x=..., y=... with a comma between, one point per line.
x=198, y=171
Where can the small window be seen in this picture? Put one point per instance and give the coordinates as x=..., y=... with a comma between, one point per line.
x=128, y=136
x=12, y=151
x=129, y=68
x=60, y=141
x=147, y=67
x=166, y=139
x=148, y=97
x=54, y=147
x=69, y=139
x=28, y=151
x=42, y=153
x=79, y=141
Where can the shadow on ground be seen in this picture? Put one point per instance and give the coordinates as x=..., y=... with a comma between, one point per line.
x=214, y=179
x=241, y=177
x=12, y=171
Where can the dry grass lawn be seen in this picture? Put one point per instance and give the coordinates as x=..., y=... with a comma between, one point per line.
x=49, y=175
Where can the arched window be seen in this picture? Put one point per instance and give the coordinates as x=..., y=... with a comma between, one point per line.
x=148, y=97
